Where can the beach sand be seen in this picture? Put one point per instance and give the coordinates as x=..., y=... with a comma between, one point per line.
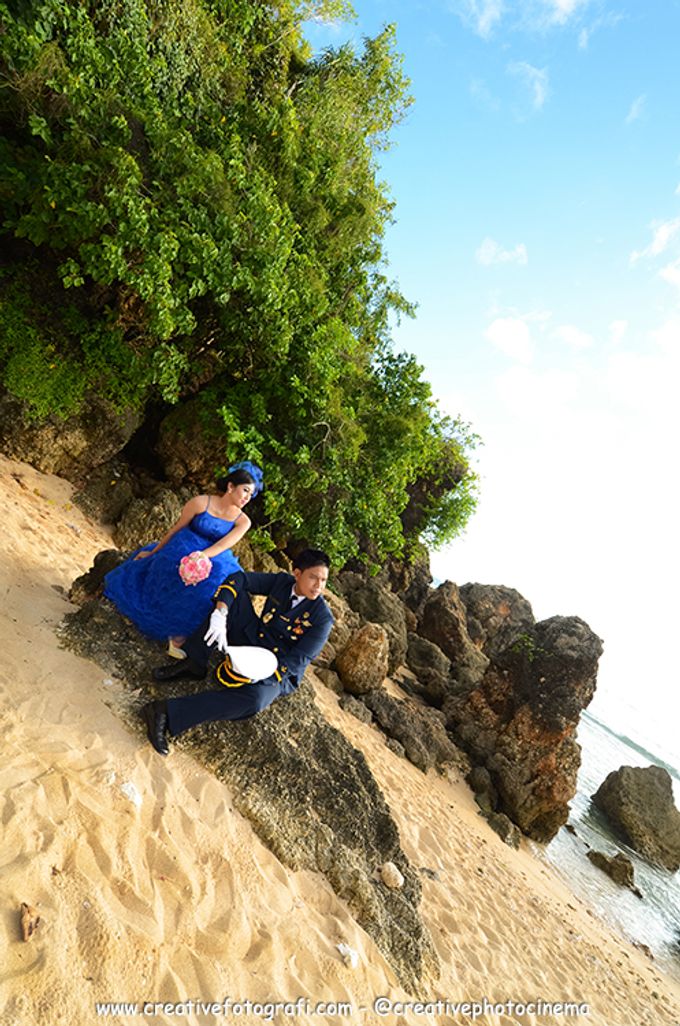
x=150, y=887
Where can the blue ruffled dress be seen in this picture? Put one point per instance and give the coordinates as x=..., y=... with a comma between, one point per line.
x=152, y=594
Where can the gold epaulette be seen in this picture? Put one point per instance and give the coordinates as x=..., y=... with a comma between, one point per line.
x=225, y=587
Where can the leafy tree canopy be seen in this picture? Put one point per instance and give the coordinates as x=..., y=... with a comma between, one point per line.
x=191, y=201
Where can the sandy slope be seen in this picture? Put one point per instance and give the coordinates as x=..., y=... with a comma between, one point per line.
x=152, y=888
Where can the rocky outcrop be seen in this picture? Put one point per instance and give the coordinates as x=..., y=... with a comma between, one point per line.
x=504, y=827
x=520, y=722
x=107, y=492
x=352, y=705
x=90, y=584
x=419, y=730
x=346, y=623
x=191, y=445
x=362, y=664
x=70, y=446
x=410, y=580
x=308, y=793
x=414, y=589
x=376, y=604
x=148, y=519
x=495, y=616
x=618, y=867
x=431, y=668
x=479, y=779
x=638, y=802
x=444, y=622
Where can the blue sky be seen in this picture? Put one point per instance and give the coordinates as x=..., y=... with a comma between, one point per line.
x=537, y=227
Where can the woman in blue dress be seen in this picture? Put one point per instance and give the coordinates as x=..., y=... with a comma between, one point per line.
x=147, y=587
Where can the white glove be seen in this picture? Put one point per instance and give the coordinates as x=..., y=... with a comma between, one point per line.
x=217, y=631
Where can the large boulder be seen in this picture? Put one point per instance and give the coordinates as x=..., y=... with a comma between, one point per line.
x=377, y=604
x=107, y=492
x=308, y=792
x=520, y=722
x=192, y=444
x=495, y=616
x=418, y=729
x=362, y=664
x=149, y=518
x=346, y=621
x=70, y=446
x=409, y=579
x=91, y=584
x=618, y=867
x=432, y=668
x=638, y=802
x=444, y=622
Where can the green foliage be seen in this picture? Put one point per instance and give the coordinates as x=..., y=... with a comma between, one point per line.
x=202, y=195
x=525, y=645
x=52, y=355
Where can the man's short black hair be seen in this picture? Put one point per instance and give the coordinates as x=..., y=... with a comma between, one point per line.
x=310, y=557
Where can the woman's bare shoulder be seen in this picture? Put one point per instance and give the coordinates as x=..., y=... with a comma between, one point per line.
x=236, y=515
x=197, y=504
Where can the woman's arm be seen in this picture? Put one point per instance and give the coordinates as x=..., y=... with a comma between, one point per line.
x=230, y=539
x=191, y=508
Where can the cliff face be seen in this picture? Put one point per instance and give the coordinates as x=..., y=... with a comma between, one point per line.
x=511, y=692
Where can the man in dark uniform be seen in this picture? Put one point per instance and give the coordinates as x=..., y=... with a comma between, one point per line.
x=294, y=626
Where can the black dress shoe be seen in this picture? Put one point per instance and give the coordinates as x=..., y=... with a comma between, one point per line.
x=180, y=669
x=155, y=715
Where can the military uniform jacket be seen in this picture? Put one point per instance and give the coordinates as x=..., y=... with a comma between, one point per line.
x=295, y=636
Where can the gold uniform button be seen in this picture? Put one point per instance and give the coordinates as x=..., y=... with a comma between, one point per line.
x=275, y=649
x=260, y=635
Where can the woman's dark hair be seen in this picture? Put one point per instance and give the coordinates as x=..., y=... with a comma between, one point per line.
x=237, y=477
x=310, y=557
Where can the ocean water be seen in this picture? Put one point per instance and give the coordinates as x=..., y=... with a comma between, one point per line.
x=654, y=920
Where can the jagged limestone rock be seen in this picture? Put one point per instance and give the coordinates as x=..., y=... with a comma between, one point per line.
x=520, y=722
x=362, y=664
x=638, y=802
x=70, y=446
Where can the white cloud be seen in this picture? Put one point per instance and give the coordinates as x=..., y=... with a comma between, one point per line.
x=664, y=232
x=511, y=336
x=562, y=10
x=608, y=20
x=645, y=383
x=535, y=16
x=636, y=109
x=491, y=252
x=617, y=330
x=482, y=15
x=537, y=397
x=671, y=273
x=536, y=79
x=574, y=337
x=667, y=338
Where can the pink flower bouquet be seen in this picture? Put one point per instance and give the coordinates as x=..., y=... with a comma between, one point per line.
x=194, y=568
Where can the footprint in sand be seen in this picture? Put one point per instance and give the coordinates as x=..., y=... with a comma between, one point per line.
x=264, y=943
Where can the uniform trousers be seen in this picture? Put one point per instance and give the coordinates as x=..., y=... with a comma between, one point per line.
x=222, y=703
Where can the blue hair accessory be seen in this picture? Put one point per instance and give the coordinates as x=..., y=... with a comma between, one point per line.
x=254, y=471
